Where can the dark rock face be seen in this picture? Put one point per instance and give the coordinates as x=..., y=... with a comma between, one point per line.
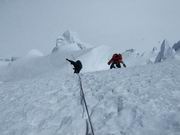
x=176, y=46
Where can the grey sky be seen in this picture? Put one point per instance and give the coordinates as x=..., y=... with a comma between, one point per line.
x=35, y=24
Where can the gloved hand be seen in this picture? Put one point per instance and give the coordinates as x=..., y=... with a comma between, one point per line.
x=67, y=59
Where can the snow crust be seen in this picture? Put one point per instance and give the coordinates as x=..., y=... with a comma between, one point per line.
x=132, y=101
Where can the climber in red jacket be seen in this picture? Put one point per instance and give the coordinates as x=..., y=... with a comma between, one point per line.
x=116, y=60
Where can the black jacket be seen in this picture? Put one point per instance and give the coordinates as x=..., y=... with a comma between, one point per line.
x=77, y=65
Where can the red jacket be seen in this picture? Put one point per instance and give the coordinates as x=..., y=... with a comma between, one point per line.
x=116, y=58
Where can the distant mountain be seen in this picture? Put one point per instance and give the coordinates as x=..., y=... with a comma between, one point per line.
x=68, y=41
x=165, y=52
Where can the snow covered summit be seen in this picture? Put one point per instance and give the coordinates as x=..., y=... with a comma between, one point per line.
x=68, y=42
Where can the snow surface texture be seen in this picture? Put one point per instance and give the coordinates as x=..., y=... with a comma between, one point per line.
x=140, y=100
x=40, y=95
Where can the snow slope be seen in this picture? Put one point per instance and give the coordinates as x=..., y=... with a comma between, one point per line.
x=93, y=59
x=68, y=45
x=142, y=100
x=35, y=64
x=40, y=95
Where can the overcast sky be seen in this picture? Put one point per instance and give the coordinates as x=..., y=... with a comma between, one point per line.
x=35, y=24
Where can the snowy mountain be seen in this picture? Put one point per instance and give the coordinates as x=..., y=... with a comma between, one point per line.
x=68, y=41
x=40, y=95
x=166, y=52
x=93, y=58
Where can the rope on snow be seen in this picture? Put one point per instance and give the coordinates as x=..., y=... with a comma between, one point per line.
x=85, y=104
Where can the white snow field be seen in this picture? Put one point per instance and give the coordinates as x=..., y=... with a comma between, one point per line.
x=38, y=96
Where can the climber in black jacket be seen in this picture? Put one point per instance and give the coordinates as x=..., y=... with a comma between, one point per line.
x=77, y=65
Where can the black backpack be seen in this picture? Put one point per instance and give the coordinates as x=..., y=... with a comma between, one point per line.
x=79, y=64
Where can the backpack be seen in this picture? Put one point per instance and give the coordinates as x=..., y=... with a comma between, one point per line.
x=79, y=64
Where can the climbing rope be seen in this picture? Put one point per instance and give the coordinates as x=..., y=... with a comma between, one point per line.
x=85, y=104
